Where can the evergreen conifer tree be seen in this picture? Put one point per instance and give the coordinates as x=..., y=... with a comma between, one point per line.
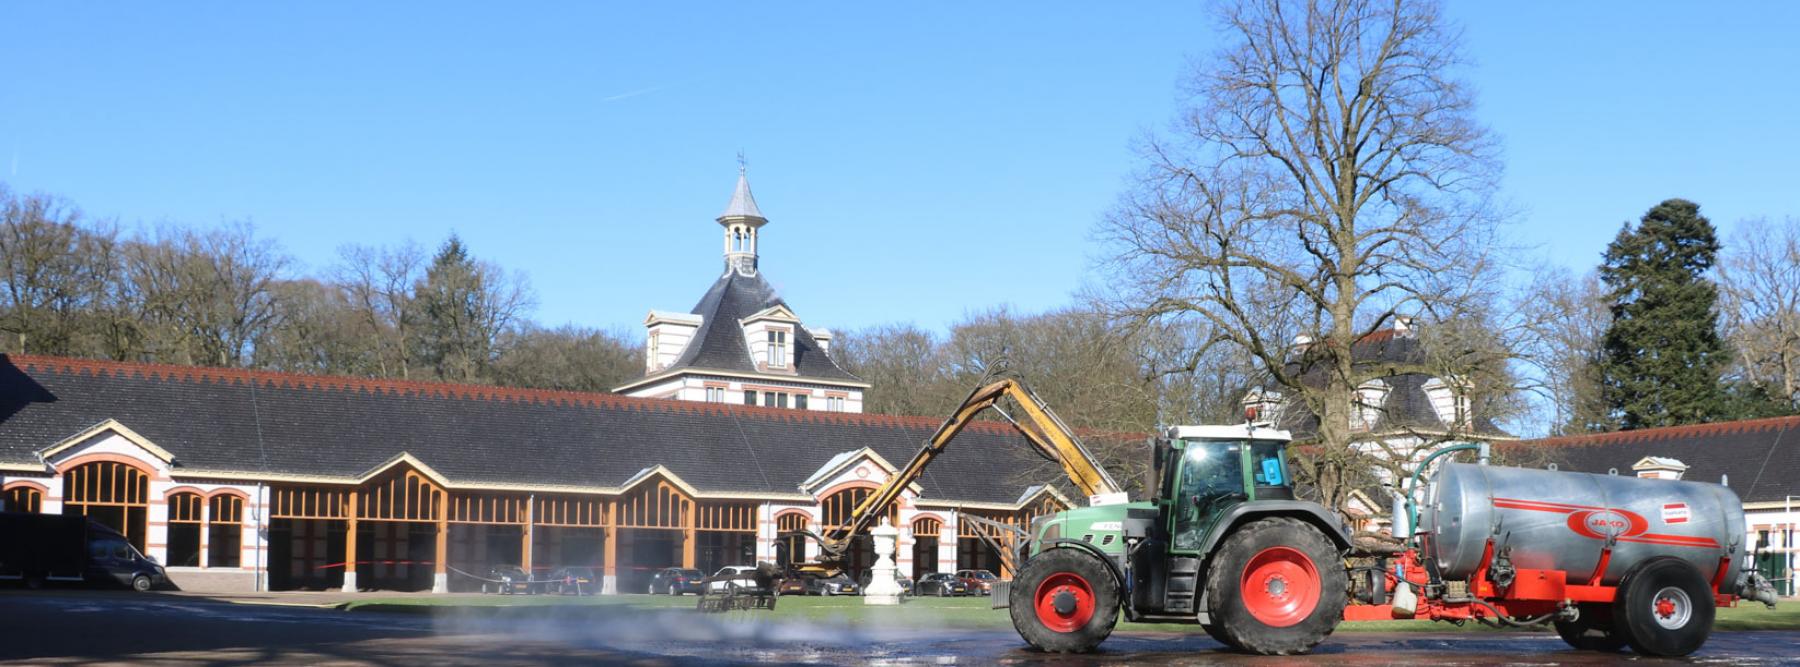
x=1661, y=358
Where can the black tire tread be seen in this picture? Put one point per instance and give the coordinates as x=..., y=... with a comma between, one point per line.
x=1225, y=605
x=1040, y=567
x=1592, y=631
x=1633, y=617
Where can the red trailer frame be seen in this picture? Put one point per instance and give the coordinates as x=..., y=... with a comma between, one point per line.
x=1532, y=592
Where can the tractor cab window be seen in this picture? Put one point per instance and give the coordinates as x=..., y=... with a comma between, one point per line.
x=1268, y=468
x=1211, y=473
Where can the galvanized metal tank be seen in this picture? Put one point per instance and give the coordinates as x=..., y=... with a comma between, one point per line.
x=1565, y=520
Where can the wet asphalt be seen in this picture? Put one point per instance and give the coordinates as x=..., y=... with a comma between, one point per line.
x=95, y=627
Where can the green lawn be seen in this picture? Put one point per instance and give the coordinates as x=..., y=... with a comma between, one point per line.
x=922, y=612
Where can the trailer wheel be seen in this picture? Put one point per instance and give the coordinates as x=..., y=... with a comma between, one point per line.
x=1593, y=630
x=1274, y=588
x=1664, y=608
x=1064, y=601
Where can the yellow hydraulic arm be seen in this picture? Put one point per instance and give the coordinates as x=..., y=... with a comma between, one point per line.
x=1046, y=433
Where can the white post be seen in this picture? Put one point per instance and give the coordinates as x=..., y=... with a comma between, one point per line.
x=883, y=590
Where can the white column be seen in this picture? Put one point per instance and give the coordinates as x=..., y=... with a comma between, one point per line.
x=205, y=530
x=903, y=550
x=765, y=532
x=253, y=547
x=947, y=543
x=812, y=546
x=156, y=522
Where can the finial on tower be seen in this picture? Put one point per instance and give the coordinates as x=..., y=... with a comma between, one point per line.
x=743, y=164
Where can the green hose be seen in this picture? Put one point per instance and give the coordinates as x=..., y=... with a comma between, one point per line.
x=1412, y=508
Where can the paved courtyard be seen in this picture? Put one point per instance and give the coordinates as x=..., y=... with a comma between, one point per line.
x=88, y=627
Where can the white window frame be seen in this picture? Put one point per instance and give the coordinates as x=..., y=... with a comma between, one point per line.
x=778, y=348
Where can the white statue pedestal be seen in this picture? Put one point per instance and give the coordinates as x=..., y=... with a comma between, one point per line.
x=883, y=589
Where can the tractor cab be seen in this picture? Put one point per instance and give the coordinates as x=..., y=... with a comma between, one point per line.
x=1201, y=471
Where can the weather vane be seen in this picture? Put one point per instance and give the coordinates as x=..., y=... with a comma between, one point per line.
x=743, y=163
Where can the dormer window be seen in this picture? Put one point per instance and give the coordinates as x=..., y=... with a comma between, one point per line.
x=1451, y=401
x=778, y=349
x=1370, y=398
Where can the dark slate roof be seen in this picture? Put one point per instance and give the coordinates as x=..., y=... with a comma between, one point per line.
x=1407, y=407
x=1758, y=456
x=719, y=344
x=275, y=423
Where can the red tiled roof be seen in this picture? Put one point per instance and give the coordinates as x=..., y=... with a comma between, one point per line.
x=1648, y=435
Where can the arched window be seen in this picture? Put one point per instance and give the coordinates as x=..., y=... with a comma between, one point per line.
x=22, y=498
x=792, y=547
x=925, y=532
x=115, y=494
x=225, y=531
x=926, y=527
x=187, y=520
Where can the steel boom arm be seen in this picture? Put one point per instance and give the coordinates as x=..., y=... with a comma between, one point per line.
x=1041, y=427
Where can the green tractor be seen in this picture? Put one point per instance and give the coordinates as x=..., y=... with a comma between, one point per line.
x=1223, y=542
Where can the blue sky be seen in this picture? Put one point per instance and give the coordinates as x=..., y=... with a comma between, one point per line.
x=917, y=161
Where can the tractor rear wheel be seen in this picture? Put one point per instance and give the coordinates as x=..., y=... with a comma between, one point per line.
x=1592, y=631
x=1275, y=587
x=1064, y=601
x=1664, y=607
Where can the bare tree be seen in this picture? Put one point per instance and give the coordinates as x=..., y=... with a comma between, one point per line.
x=204, y=297
x=379, y=282
x=319, y=331
x=901, y=363
x=1566, y=316
x=1760, y=299
x=1328, y=175
x=59, y=270
x=569, y=358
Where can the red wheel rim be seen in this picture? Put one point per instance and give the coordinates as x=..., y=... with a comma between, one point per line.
x=1064, y=602
x=1280, y=587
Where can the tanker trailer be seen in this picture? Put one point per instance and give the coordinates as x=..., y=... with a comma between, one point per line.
x=1611, y=561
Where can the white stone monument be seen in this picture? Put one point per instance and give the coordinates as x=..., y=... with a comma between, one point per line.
x=883, y=589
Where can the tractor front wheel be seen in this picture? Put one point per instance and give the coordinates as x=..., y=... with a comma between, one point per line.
x=1275, y=587
x=1064, y=601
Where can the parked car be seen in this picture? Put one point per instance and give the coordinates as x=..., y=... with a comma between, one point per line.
x=676, y=580
x=980, y=582
x=572, y=581
x=941, y=584
x=795, y=583
x=38, y=548
x=730, y=571
x=839, y=585
x=508, y=580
